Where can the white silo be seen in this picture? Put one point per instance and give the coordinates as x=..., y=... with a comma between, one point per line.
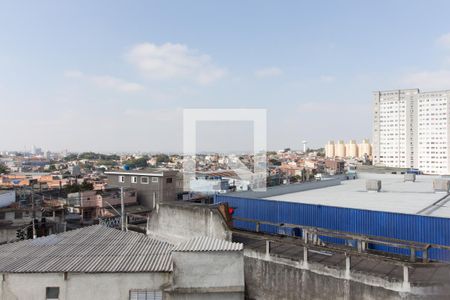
x=329, y=149
x=339, y=149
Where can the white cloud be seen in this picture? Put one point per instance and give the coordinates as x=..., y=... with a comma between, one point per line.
x=106, y=81
x=444, y=40
x=428, y=80
x=174, y=61
x=116, y=83
x=268, y=72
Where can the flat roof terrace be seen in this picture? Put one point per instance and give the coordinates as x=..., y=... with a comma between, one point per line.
x=396, y=195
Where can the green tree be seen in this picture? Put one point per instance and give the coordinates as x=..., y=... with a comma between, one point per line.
x=75, y=188
x=162, y=158
x=86, y=186
x=89, y=155
x=71, y=157
x=137, y=162
x=295, y=178
x=3, y=169
x=72, y=188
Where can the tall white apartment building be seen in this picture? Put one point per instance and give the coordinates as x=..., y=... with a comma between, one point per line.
x=433, y=130
x=411, y=130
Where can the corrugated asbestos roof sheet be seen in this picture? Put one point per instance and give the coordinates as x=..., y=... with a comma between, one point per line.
x=93, y=249
x=207, y=244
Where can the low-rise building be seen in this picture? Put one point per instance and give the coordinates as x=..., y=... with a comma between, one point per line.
x=334, y=166
x=98, y=262
x=95, y=204
x=152, y=185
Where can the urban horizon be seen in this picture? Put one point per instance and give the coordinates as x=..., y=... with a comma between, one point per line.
x=224, y=150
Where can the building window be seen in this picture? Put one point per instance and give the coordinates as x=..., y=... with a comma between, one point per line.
x=18, y=215
x=145, y=295
x=168, y=180
x=134, y=179
x=121, y=179
x=2, y=215
x=154, y=179
x=144, y=180
x=52, y=293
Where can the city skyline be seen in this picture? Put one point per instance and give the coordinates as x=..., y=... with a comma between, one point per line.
x=96, y=77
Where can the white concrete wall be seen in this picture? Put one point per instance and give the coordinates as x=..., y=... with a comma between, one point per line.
x=207, y=296
x=8, y=235
x=218, y=269
x=6, y=198
x=82, y=286
x=177, y=223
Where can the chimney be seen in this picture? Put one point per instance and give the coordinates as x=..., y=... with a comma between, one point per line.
x=373, y=185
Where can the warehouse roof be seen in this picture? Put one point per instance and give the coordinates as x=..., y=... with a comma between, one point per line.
x=207, y=244
x=395, y=195
x=93, y=249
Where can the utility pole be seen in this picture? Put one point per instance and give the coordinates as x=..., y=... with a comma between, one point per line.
x=34, y=212
x=122, y=209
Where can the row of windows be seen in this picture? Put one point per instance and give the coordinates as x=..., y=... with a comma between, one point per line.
x=134, y=179
x=143, y=180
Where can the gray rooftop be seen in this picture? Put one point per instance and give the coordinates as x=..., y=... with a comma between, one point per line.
x=207, y=244
x=395, y=195
x=93, y=249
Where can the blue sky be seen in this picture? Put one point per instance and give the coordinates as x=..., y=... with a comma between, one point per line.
x=115, y=75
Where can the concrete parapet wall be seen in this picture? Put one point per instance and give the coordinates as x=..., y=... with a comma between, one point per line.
x=177, y=222
x=290, y=188
x=276, y=278
x=213, y=273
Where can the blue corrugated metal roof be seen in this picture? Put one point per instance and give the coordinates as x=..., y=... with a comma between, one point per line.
x=433, y=230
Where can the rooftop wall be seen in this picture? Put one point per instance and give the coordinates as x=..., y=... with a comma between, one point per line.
x=7, y=198
x=290, y=188
x=175, y=222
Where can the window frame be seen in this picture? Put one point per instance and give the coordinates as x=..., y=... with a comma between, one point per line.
x=49, y=288
x=149, y=294
x=144, y=177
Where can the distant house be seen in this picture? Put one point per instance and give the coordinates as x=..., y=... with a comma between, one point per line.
x=335, y=166
x=96, y=204
x=98, y=262
x=152, y=185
